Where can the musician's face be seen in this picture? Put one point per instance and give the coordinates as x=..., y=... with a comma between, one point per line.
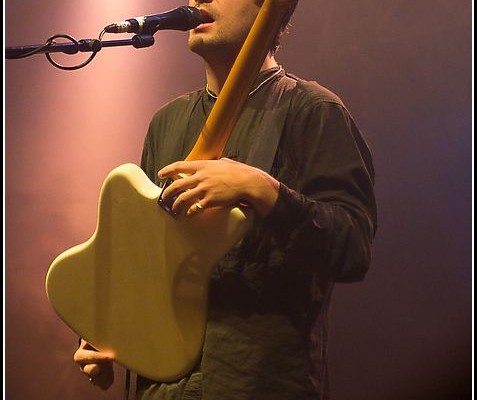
x=227, y=26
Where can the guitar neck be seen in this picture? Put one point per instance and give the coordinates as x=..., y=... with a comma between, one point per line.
x=227, y=109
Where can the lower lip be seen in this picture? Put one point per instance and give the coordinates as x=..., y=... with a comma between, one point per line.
x=203, y=26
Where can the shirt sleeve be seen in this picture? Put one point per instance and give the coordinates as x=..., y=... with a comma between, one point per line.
x=326, y=223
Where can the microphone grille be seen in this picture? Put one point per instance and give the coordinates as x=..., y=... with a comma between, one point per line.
x=195, y=17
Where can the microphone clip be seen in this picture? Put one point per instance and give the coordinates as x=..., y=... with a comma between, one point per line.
x=142, y=40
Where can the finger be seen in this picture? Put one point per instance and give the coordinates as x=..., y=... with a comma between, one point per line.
x=83, y=356
x=84, y=345
x=178, y=186
x=102, y=377
x=180, y=167
x=195, y=208
x=92, y=370
x=186, y=199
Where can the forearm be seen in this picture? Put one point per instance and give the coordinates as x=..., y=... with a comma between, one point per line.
x=331, y=238
x=261, y=192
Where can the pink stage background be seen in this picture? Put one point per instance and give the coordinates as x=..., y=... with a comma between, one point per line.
x=404, y=70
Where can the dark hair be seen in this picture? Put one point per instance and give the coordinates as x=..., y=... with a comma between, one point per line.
x=284, y=26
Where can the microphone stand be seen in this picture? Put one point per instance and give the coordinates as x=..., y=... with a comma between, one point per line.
x=75, y=46
x=83, y=45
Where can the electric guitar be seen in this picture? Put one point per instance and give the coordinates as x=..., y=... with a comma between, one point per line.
x=138, y=287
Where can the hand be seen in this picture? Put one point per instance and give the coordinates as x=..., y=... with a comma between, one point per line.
x=96, y=365
x=218, y=183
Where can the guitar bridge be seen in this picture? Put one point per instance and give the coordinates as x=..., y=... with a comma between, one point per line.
x=166, y=205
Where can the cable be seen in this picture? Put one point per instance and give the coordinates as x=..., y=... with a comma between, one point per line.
x=126, y=387
x=31, y=53
x=76, y=43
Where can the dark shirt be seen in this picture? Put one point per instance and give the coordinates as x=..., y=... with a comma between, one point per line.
x=269, y=298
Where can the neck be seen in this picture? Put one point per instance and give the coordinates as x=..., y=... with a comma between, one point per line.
x=216, y=73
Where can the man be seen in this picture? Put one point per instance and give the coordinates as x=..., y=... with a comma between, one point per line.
x=298, y=160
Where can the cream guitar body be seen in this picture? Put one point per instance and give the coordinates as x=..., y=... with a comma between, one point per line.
x=139, y=285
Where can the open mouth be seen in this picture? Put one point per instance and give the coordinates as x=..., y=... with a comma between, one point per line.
x=206, y=18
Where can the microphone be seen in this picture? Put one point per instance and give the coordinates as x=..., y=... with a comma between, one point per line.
x=182, y=19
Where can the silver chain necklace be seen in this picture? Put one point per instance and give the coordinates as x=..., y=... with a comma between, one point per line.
x=214, y=96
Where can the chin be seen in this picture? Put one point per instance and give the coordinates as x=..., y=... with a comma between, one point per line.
x=212, y=47
x=197, y=45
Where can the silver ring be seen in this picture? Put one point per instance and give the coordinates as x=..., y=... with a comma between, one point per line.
x=199, y=207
